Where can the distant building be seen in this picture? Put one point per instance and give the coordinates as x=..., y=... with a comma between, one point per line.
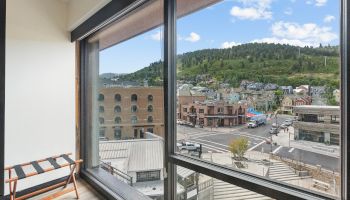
x=271, y=86
x=317, y=124
x=290, y=100
x=213, y=113
x=287, y=89
x=317, y=90
x=126, y=113
x=302, y=90
x=139, y=163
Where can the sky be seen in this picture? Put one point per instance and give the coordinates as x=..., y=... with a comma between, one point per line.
x=230, y=23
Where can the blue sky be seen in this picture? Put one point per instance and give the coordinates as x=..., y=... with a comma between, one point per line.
x=230, y=23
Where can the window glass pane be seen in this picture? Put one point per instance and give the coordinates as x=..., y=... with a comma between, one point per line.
x=258, y=88
x=192, y=185
x=126, y=102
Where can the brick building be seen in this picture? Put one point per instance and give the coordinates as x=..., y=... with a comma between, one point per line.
x=213, y=113
x=126, y=113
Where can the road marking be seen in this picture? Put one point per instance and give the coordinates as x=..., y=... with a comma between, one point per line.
x=211, y=142
x=250, y=136
x=276, y=150
x=262, y=142
x=221, y=149
x=291, y=150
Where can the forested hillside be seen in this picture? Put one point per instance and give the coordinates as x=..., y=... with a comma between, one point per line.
x=267, y=63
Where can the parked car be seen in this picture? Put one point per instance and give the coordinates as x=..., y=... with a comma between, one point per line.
x=256, y=121
x=288, y=122
x=284, y=126
x=273, y=131
x=188, y=146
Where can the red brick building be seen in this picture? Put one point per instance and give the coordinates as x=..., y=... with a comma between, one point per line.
x=129, y=112
x=213, y=114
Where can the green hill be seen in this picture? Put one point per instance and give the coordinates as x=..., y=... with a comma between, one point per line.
x=267, y=63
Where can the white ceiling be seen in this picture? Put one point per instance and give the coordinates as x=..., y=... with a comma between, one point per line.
x=80, y=10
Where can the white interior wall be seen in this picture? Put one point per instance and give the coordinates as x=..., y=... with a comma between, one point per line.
x=40, y=85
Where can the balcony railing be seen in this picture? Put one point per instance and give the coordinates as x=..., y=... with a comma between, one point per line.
x=116, y=172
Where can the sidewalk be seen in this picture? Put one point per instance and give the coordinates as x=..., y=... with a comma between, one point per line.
x=320, y=148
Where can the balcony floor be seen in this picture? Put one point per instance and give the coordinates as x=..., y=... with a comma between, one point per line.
x=86, y=192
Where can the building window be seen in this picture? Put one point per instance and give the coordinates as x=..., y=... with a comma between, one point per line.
x=101, y=109
x=133, y=108
x=102, y=133
x=117, y=109
x=117, y=133
x=118, y=120
x=134, y=120
x=148, y=176
x=185, y=109
x=101, y=120
x=201, y=110
x=117, y=98
x=101, y=97
x=134, y=98
x=150, y=119
x=150, y=108
x=150, y=98
x=150, y=130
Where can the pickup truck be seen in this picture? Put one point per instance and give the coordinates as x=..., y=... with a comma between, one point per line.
x=188, y=146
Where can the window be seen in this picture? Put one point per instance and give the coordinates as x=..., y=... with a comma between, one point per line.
x=128, y=77
x=117, y=98
x=150, y=130
x=134, y=120
x=148, y=176
x=101, y=109
x=150, y=98
x=149, y=119
x=133, y=108
x=117, y=109
x=219, y=65
x=118, y=120
x=102, y=133
x=133, y=98
x=254, y=66
x=201, y=110
x=117, y=133
x=150, y=108
x=101, y=120
x=101, y=97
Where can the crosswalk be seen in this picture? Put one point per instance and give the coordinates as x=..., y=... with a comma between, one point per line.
x=226, y=191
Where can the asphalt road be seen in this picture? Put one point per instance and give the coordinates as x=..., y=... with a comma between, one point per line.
x=217, y=140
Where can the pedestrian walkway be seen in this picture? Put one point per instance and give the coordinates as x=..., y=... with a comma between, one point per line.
x=282, y=172
x=226, y=191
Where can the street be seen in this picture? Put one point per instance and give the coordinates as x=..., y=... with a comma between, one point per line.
x=218, y=139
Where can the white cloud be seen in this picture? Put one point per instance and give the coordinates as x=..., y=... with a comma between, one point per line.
x=193, y=37
x=293, y=1
x=328, y=18
x=317, y=2
x=288, y=11
x=309, y=34
x=253, y=10
x=226, y=45
x=320, y=2
x=157, y=36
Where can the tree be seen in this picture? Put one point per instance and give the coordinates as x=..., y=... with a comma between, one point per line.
x=238, y=147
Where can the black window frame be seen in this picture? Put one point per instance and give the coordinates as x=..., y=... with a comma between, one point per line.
x=254, y=183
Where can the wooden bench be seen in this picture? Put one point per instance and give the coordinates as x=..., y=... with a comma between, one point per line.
x=53, y=165
x=321, y=184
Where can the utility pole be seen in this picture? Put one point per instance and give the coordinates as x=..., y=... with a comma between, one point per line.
x=325, y=61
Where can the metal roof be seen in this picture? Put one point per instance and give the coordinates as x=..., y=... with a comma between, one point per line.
x=138, y=154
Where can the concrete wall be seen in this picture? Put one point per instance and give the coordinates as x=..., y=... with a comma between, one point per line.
x=40, y=85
